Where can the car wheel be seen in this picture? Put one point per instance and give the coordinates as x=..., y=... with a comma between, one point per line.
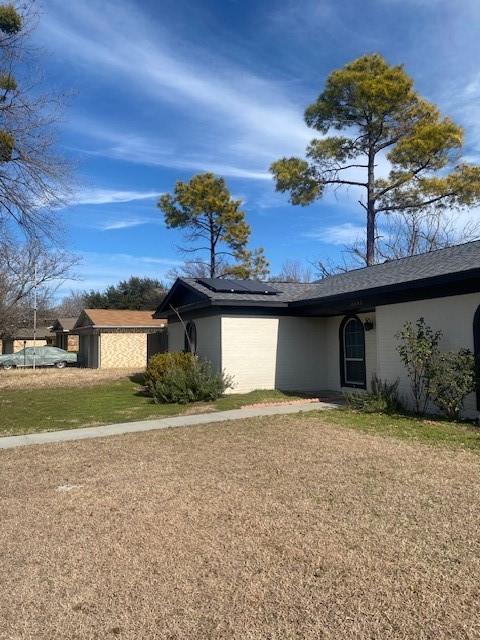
x=7, y=365
x=61, y=365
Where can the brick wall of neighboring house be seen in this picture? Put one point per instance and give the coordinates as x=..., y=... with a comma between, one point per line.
x=123, y=350
x=12, y=346
x=72, y=344
x=67, y=342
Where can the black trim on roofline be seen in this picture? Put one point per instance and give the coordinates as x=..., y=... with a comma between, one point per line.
x=433, y=281
x=356, y=301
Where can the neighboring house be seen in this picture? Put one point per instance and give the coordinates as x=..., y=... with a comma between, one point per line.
x=62, y=328
x=114, y=339
x=333, y=334
x=24, y=338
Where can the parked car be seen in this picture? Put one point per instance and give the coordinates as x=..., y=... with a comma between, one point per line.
x=44, y=357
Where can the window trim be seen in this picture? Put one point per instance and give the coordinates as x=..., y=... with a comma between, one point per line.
x=476, y=351
x=190, y=340
x=341, y=338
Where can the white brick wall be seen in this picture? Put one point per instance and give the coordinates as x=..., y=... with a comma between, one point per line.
x=274, y=353
x=303, y=353
x=453, y=315
x=208, y=339
x=175, y=336
x=249, y=348
x=301, y=360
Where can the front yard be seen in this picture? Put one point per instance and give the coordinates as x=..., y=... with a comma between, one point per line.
x=280, y=528
x=49, y=400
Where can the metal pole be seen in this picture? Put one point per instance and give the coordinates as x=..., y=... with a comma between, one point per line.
x=34, y=315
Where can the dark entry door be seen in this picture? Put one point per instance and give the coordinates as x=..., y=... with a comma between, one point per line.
x=476, y=346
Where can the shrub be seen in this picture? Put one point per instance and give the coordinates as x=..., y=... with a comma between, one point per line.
x=419, y=352
x=382, y=397
x=454, y=377
x=160, y=363
x=183, y=378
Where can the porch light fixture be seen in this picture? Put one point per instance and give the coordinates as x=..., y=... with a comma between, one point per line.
x=368, y=324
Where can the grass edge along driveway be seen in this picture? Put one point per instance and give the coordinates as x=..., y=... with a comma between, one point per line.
x=52, y=409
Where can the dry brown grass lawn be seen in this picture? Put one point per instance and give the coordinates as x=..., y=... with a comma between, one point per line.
x=52, y=378
x=273, y=528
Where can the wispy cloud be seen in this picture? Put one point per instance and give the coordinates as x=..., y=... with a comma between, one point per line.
x=125, y=223
x=341, y=234
x=143, y=150
x=95, y=196
x=249, y=117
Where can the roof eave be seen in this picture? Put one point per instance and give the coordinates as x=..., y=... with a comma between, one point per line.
x=435, y=281
x=165, y=307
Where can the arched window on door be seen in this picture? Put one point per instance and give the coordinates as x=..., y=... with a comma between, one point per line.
x=352, y=353
x=476, y=348
x=190, y=343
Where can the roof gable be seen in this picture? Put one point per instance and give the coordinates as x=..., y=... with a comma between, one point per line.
x=112, y=318
x=63, y=324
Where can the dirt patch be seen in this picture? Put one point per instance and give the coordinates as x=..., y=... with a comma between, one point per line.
x=53, y=378
x=281, y=528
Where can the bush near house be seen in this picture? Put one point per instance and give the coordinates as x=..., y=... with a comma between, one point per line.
x=182, y=378
x=382, y=397
x=442, y=378
x=454, y=378
x=418, y=349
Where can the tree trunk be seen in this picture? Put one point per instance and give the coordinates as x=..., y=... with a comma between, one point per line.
x=213, y=265
x=370, y=255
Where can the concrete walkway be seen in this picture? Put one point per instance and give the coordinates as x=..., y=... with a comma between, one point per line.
x=9, y=442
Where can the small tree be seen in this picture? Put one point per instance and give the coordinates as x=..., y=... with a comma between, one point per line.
x=454, y=377
x=419, y=352
x=204, y=208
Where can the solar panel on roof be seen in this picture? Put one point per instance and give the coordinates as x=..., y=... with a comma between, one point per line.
x=255, y=286
x=228, y=285
x=221, y=285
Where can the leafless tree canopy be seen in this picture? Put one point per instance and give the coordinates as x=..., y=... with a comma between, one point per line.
x=294, y=271
x=17, y=280
x=404, y=234
x=34, y=179
x=71, y=305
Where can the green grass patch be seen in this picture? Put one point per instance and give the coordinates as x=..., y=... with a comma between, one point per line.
x=23, y=411
x=437, y=432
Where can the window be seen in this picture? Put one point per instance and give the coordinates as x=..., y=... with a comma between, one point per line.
x=352, y=353
x=190, y=337
x=476, y=348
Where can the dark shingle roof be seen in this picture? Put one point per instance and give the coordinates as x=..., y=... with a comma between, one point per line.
x=395, y=273
x=450, y=260
x=26, y=333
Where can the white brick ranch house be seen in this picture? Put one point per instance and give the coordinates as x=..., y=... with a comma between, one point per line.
x=333, y=334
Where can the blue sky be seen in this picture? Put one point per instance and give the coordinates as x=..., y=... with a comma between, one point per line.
x=167, y=88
